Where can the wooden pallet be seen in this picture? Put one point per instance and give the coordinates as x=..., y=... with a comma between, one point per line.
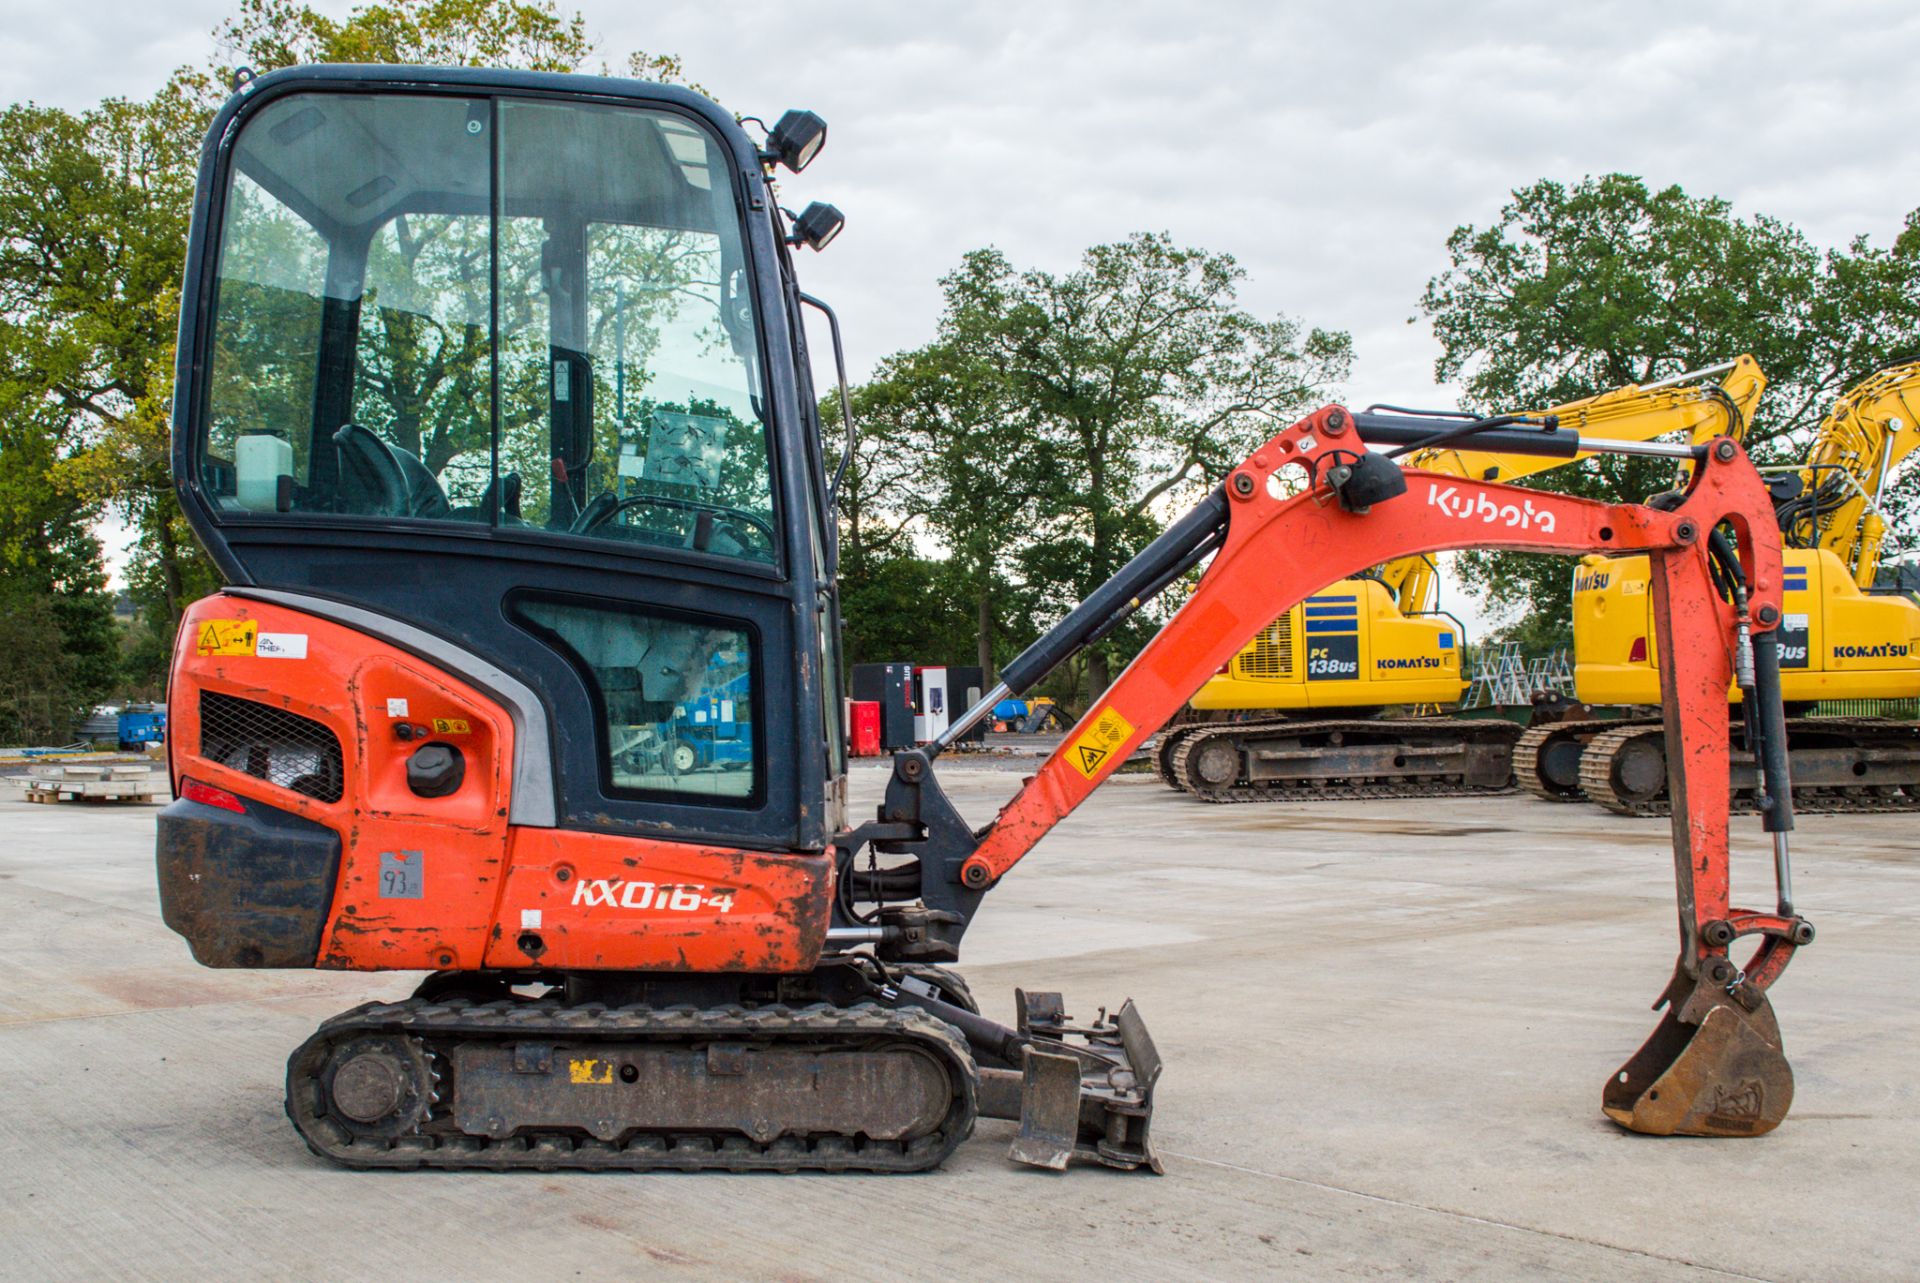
x=48, y=795
x=106, y=783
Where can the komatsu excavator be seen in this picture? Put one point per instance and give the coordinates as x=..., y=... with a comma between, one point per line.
x=494, y=410
x=1296, y=714
x=1841, y=640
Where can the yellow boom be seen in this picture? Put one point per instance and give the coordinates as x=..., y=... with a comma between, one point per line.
x=1868, y=433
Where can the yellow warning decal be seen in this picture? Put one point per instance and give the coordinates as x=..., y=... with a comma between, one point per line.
x=226, y=637
x=1100, y=741
x=450, y=726
x=590, y=1071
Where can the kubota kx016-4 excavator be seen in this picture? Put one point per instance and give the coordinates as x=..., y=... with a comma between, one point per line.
x=494, y=410
x=1840, y=641
x=1296, y=714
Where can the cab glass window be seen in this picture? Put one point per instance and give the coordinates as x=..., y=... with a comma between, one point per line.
x=675, y=696
x=501, y=311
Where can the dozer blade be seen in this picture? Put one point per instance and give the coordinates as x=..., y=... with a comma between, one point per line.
x=1084, y=1091
x=1049, y=1110
x=1712, y=1067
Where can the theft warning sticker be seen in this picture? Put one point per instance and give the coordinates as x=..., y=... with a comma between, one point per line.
x=226, y=637
x=1099, y=742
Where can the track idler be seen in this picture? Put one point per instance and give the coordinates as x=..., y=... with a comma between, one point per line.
x=1712, y=1067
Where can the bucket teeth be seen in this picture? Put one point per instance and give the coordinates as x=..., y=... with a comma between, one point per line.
x=1712, y=1067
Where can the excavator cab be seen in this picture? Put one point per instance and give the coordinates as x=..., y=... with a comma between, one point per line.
x=523, y=368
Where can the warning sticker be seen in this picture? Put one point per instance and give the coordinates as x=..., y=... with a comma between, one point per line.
x=1099, y=742
x=451, y=726
x=589, y=1071
x=282, y=646
x=226, y=637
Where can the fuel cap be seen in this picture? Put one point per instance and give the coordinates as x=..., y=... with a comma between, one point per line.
x=435, y=770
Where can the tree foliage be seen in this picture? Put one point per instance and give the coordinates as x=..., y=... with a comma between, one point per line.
x=1576, y=289
x=1058, y=419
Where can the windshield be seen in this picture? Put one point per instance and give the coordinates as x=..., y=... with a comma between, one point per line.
x=500, y=311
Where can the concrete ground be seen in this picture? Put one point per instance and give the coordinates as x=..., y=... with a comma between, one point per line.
x=1386, y=1026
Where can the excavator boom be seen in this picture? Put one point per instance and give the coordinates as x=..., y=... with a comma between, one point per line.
x=1867, y=435
x=1682, y=404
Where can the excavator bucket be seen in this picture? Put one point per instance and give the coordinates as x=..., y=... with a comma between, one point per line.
x=1085, y=1092
x=1712, y=1067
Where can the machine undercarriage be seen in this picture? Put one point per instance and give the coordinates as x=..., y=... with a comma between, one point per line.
x=856, y=1067
x=1839, y=764
x=1296, y=760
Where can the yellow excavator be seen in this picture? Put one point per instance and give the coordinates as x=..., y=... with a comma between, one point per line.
x=1840, y=640
x=1329, y=668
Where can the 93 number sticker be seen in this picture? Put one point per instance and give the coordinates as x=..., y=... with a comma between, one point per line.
x=403, y=875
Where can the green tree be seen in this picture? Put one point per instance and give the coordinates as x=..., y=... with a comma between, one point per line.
x=964, y=470
x=1135, y=381
x=1574, y=290
x=56, y=617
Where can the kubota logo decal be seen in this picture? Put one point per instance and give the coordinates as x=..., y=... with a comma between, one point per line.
x=1481, y=508
x=618, y=893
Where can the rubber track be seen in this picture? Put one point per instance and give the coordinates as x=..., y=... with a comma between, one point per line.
x=1596, y=775
x=439, y=1145
x=1169, y=743
x=1526, y=753
x=1331, y=790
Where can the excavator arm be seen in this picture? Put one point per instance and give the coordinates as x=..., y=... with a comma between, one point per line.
x=1867, y=434
x=1714, y=1065
x=1635, y=412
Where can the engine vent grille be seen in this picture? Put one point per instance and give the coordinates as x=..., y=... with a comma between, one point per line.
x=1270, y=656
x=271, y=744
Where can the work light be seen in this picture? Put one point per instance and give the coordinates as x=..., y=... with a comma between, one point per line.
x=817, y=224
x=796, y=139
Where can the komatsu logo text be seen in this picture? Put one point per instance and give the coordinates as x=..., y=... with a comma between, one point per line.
x=1885, y=650
x=1479, y=507
x=617, y=893
x=1591, y=580
x=1408, y=661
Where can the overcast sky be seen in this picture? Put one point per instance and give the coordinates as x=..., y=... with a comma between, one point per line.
x=1329, y=147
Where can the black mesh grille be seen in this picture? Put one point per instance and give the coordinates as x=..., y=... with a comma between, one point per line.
x=272, y=744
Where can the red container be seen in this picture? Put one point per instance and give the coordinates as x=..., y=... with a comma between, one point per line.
x=863, y=727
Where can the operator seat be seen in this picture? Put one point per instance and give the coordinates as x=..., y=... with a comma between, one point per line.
x=380, y=478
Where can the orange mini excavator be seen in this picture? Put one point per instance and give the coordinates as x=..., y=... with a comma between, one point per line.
x=494, y=409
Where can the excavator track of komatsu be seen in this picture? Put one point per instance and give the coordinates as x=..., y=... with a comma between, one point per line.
x=541, y=1085
x=1166, y=747
x=1546, y=758
x=1839, y=765
x=1292, y=760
